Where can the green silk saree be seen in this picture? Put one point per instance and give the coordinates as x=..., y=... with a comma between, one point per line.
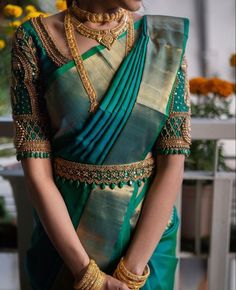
x=101, y=161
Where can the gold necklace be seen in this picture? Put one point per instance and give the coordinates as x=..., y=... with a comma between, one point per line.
x=105, y=37
x=96, y=17
x=72, y=43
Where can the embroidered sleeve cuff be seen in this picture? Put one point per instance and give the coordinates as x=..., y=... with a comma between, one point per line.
x=33, y=149
x=166, y=151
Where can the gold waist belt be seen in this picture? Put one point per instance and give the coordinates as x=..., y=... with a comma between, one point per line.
x=103, y=175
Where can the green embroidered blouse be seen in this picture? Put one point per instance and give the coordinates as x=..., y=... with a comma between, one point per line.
x=35, y=57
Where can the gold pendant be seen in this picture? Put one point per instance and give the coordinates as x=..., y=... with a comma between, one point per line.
x=107, y=39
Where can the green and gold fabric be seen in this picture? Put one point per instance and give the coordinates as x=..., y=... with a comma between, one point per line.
x=103, y=162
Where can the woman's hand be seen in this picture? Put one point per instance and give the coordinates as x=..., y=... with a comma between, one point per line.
x=112, y=283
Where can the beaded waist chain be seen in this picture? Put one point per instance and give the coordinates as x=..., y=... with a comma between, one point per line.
x=102, y=175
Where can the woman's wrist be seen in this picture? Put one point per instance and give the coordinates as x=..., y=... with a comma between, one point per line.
x=80, y=270
x=133, y=265
x=133, y=262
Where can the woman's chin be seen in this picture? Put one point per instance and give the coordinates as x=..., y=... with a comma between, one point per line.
x=131, y=5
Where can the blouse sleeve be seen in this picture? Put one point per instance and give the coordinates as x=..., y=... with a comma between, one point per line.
x=175, y=136
x=30, y=118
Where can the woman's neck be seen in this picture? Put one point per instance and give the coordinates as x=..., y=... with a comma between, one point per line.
x=98, y=6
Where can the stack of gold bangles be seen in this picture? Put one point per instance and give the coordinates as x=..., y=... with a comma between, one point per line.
x=132, y=280
x=93, y=278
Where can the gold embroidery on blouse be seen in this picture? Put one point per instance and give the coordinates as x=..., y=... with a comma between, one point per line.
x=186, y=130
x=178, y=122
x=184, y=67
x=48, y=43
x=104, y=174
x=31, y=129
x=29, y=135
x=173, y=143
x=176, y=133
x=25, y=60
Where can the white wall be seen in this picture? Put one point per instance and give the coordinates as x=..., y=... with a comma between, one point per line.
x=221, y=37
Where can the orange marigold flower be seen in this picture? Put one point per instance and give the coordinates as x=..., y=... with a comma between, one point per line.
x=233, y=60
x=234, y=88
x=199, y=86
x=220, y=87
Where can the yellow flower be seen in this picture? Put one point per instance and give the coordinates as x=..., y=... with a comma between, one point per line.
x=30, y=9
x=2, y=44
x=12, y=10
x=61, y=5
x=34, y=14
x=15, y=23
x=233, y=60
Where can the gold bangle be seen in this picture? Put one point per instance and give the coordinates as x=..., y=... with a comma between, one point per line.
x=93, y=278
x=100, y=281
x=131, y=284
x=133, y=281
x=131, y=275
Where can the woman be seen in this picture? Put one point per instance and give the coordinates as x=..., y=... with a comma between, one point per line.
x=101, y=114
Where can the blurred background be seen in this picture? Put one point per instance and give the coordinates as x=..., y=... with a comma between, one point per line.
x=207, y=201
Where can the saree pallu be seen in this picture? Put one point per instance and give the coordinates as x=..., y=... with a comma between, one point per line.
x=103, y=162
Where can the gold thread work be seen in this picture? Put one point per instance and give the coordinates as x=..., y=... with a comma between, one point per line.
x=105, y=174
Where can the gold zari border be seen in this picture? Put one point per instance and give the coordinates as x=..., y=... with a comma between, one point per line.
x=173, y=143
x=34, y=146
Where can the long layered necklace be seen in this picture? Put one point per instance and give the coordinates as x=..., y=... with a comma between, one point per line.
x=105, y=37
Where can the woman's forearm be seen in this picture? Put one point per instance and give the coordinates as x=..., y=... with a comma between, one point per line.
x=53, y=214
x=156, y=210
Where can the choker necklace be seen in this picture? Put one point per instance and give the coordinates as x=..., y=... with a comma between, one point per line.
x=96, y=17
x=72, y=43
x=105, y=37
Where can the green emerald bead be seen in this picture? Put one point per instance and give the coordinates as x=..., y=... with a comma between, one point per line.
x=102, y=185
x=144, y=179
x=36, y=154
x=120, y=184
x=112, y=185
x=77, y=183
x=130, y=182
x=93, y=185
x=63, y=180
x=139, y=182
x=71, y=182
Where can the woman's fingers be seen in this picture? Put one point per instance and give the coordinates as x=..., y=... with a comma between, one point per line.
x=112, y=283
